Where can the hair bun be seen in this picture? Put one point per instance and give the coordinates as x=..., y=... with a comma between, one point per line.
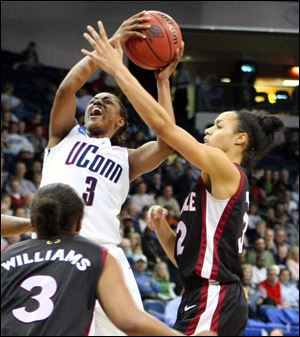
x=271, y=124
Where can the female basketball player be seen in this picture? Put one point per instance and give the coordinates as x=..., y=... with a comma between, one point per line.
x=213, y=218
x=49, y=286
x=84, y=158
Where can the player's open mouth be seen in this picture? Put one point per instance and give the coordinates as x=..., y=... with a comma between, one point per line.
x=96, y=112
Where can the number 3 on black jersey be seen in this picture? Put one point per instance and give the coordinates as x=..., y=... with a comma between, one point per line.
x=45, y=304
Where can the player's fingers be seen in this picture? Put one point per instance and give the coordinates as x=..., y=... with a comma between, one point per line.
x=136, y=34
x=142, y=13
x=90, y=40
x=102, y=31
x=140, y=20
x=87, y=53
x=137, y=27
x=93, y=33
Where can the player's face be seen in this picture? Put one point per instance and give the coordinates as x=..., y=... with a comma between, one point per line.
x=102, y=117
x=223, y=133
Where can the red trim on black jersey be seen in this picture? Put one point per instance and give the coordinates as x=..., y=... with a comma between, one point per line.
x=104, y=255
x=203, y=301
x=202, y=249
x=215, y=324
x=221, y=226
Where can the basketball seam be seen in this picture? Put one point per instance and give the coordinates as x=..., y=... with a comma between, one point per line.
x=135, y=56
x=158, y=19
x=166, y=32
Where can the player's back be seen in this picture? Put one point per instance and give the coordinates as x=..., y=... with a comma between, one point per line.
x=48, y=288
x=99, y=173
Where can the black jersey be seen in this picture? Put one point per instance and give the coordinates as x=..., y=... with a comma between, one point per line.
x=48, y=288
x=210, y=234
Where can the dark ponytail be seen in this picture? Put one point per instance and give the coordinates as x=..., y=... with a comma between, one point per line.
x=264, y=131
x=56, y=209
x=47, y=214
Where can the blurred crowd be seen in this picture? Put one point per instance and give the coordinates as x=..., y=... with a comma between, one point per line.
x=270, y=259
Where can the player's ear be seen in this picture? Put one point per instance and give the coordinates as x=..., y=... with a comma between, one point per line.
x=120, y=122
x=242, y=138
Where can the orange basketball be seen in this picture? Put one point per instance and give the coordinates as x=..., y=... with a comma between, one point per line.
x=159, y=48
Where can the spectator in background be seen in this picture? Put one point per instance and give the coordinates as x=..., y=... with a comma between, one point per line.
x=259, y=270
x=142, y=220
x=289, y=291
x=281, y=256
x=276, y=332
x=167, y=200
x=270, y=289
x=37, y=139
x=148, y=287
x=260, y=248
x=29, y=57
x=141, y=198
x=293, y=263
x=152, y=248
x=269, y=241
x=184, y=184
x=16, y=142
x=162, y=276
x=155, y=185
x=27, y=186
x=125, y=244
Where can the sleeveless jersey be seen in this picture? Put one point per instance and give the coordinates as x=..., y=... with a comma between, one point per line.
x=48, y=288
x=99, y=173
x=210, y=234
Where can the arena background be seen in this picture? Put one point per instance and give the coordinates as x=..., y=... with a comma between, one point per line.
x=221, y=38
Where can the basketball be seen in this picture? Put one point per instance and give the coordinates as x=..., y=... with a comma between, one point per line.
x=159, y=48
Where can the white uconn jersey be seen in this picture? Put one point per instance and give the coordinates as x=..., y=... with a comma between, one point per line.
x=99, y=173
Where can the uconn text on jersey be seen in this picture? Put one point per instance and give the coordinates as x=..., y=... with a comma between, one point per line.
x=80, y=153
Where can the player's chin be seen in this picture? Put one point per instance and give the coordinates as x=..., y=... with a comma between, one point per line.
x=94, y=127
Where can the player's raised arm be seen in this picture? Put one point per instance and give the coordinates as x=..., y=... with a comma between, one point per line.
x=62, y=118
x=148, y=156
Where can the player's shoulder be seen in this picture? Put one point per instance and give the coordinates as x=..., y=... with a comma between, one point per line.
x=18, y=247
x=120, y=149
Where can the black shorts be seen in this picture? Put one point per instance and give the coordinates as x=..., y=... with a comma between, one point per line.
x=213, y=307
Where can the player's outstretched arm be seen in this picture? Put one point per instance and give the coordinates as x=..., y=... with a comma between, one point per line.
x=209, y=159
x=150, y=155
x=121, y=308
x=12, y=225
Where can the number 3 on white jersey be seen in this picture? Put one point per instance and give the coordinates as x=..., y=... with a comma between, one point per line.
x=45, y=304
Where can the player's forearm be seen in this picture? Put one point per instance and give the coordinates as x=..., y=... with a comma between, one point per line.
x=11, y=225
x=167, y=239
x=78, y=75
x=153, y=114
x=164, y=97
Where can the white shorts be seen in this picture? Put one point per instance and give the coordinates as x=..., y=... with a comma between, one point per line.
x=101, y=325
